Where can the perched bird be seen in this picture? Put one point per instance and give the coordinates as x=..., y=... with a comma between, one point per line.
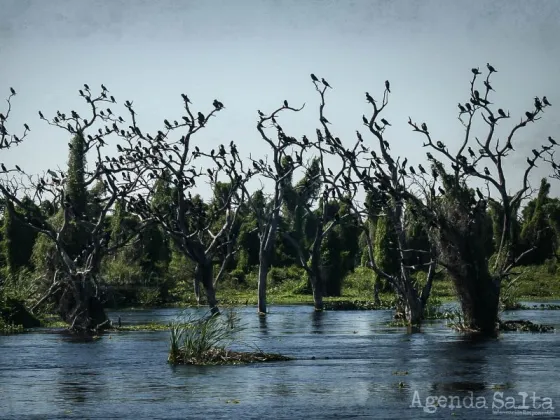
x=12, y=91
x=421, y=169
x=475, y=70
x=103, y=87
x=531, y=162
x=286, y=103
x=4, y=167
x=314, y=78
x=461, y=108
x=486, y=171
x=501, y=113
x=365, y=120
x=326, y=83
x=369, y=98
x=488, y=87
x=185, y=98
x=41, y=115
x=480, y=195
x=412, y=171
x=468, y=106
x=529, y=116
x=538, y=103
x=26, y=127
x=200, y=118
x=384, y=121
x=535, y=153
x=388, y=86
x=324, y=120
x=424, y=127
x=551, y=140
x=491, y=68
x=471, y=152
x=545, y=101
x=86, y=87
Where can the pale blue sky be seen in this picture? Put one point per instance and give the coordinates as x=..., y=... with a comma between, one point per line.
x=254, y=54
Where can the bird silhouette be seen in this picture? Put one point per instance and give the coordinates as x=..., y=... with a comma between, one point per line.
x=461, y=108
x=424, y=127
x=314, y=78
x=480, y=195
x=384, y=121
x=365, y=120
x=12, y=91
x=545, y=101
x=501, y=113
x=200, y=118
x=3, y=167
x=185, y=98
x=535, y=153
x=369, y=98
x=325, y=83
x=529, y=116
x=531, y=162
x=486, y=171
x=286, y=103
x=491, y=69
x=488, y=87
x=388, y=86
x=551, y=140
x=324, y=120
x=538, y=103
x=421, y=169
x=475, y=70
x=471, y=152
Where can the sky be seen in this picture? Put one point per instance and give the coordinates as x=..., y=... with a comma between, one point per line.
x=252, y=55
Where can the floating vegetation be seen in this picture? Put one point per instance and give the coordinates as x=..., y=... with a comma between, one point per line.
x=205, y=341
x=356, y=305
x=524, y=326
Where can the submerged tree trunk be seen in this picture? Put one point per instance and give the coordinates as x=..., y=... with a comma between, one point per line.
x=317, y=287
x=264, y=267
x=207, y=280
x=79, y=305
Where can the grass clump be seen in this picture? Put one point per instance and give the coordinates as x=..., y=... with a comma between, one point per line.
x=205, y=341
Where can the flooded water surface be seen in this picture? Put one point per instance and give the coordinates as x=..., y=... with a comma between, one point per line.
x=349, y=364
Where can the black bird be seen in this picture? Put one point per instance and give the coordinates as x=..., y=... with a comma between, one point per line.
x=26, y=127
x=421, y=169
x=529, y=116
x=369, y=98
x=388, y=86
x=535, y=153
x=476, y=94
x=325, y=83
x=468, y=106
x=412, y=171
x=441, y=191
x=305, y=140
x=461, y=108
x=530, y=162
x=314, y=78
x=502, y=113
x=113, y=99
x=103, y=87
x=200, y=118
x=538, y=104
x=488, y=85
x=4, y=167
x=476, y=70
x=440, y=145
x=365, y=120
x=491, y=68
x=430, y=156
x=324, y=120
x=41, y=115
x=377, y=127
x=286, y=103
x=18, y=168
x=471, y=152
x=424, y=127
x=480, y=195
x=551, y=140
x=81, y=92
x=185, y=98
x=12, y=91
x=86, y=87
x=486, y=171
x=384, y=121
x=545, y=101
x=492, y=119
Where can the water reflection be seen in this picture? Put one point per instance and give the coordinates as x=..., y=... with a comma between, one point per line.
x=362, y=368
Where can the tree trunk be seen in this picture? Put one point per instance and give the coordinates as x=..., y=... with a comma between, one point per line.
x=317, y=286
x=196, y=283
x=376, y=287
x=207, y=279
x=80, y=307
x=413, y=308
x=264, y=267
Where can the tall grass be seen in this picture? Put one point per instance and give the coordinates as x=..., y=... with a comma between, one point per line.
x=196, y=339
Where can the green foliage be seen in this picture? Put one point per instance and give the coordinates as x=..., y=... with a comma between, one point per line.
x=384, y=250
x=17, y=240
x=76, y=190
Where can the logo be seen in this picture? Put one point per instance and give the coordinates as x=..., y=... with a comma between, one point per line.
x=520, y=404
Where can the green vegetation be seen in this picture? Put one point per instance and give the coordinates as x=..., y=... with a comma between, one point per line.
x=205, y=341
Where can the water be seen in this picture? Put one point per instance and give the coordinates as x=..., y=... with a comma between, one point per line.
x=362, y=369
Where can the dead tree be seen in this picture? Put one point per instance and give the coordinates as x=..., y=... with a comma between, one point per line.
x=75, y=282
x=458, y=217
x=286, y=157
x=170, y=156
x=389, y=178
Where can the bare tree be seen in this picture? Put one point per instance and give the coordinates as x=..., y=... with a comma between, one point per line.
x=286, y=157
x=459, y=217
x=76, y=278
x=169, y=156
x=388, y=178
